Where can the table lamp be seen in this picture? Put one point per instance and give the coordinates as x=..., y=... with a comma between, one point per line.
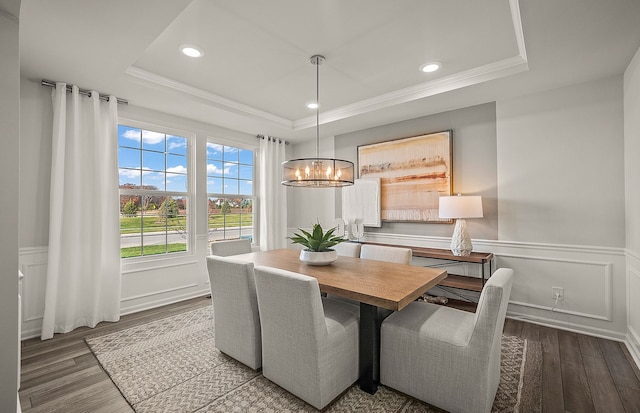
x=460, y=207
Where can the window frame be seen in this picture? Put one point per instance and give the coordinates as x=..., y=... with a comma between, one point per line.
x=190, y=194
x=253, y=197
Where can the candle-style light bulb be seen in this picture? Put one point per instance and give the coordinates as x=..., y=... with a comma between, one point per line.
x=306, y=171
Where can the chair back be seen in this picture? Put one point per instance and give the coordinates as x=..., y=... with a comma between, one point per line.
x=230, y=247
x=235, y=308
x=489, y=320
x=291, y=313
x=397, y=255
x=348, y=249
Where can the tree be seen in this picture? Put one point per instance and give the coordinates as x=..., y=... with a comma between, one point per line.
x=130, y=209
x=169, y=208
x=225, y=208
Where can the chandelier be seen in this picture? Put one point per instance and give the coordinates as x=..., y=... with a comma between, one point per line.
x=317, y=172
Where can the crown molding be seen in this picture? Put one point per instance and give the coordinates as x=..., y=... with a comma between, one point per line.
x=517, y=28
x=480, y=74
x=458, y=80
x=217, y=100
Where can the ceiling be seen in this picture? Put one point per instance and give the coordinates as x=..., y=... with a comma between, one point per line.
x=255, y=75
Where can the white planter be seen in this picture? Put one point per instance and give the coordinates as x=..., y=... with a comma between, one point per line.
x=318, y=258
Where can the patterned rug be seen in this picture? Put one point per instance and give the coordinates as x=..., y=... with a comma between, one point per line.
x=172, y=365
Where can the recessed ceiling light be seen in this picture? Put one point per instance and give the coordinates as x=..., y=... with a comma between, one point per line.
x=191, y=51
x=430, y=67
x=313, y=105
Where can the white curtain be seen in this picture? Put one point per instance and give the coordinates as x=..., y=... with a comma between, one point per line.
x=83, y=273
x=273, y=196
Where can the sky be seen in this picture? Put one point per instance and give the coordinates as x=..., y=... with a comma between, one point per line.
x=152, y=158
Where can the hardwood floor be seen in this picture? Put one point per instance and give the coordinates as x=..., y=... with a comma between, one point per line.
x=580, y=373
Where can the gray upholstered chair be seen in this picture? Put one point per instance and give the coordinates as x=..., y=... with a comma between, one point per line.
x=235, y=309
x=230, y=247
x=447, y=357
x=309, y=343
x=348, y=249
x=398, y=255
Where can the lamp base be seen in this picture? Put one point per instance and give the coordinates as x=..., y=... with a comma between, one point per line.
x=460, y=240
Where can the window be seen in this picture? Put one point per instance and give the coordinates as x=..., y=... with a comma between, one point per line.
x=154, y=192
x=230, y=192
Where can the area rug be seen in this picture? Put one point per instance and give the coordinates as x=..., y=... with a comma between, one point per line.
x=172, y=365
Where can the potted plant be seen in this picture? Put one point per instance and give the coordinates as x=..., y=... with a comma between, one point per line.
x=317, y=245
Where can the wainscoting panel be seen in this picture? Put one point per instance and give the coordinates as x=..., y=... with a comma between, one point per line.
x=633, y=303
x=587, y=285
x=33, y=264
x=144, y=285
x=594, y=281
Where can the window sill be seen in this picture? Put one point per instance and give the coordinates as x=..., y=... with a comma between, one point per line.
x=149, y=263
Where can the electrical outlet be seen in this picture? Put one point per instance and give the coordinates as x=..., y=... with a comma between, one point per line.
x=557, y=292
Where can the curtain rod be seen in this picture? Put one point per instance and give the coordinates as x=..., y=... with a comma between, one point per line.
x=84, y=92
x=271, y=138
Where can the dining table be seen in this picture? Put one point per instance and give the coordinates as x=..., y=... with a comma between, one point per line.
x=374, y=284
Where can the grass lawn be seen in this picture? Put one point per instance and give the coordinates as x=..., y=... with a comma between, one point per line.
x=232, y=220
x=131, y=225
x=129, y=252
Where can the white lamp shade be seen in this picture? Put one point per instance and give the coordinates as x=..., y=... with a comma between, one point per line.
x=460, y=207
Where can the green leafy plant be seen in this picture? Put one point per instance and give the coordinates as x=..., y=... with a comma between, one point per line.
x=317, y=240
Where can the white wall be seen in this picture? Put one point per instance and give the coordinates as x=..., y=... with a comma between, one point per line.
x=35, y=158
x=632, y=199
x=144, y=284
x=9, y=170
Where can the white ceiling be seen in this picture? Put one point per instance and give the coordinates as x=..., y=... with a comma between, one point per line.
x=256, y=76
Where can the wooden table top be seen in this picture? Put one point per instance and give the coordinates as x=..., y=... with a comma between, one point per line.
x=380, y=283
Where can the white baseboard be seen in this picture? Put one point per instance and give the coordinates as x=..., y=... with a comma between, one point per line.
x=633, y=345
x=574, y=328
x=148, y=305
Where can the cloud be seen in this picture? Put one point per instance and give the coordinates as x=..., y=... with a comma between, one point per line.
x=152, y=137
x=176, y=143
x=132, y=134
x=148, y=137
x=179, y=169
x=135, y=173
x=175, y=170
x=214, y=170
x=214, y=147
x=130, y=173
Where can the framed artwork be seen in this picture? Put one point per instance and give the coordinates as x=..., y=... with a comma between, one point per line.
x=414, y=172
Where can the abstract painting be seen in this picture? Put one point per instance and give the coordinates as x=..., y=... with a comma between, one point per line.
x=414, y=172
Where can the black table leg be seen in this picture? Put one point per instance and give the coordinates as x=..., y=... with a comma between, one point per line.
x=369, y=347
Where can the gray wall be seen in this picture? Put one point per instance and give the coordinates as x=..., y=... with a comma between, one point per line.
x=561, y=166
x=9, y=169
x=474, y=163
